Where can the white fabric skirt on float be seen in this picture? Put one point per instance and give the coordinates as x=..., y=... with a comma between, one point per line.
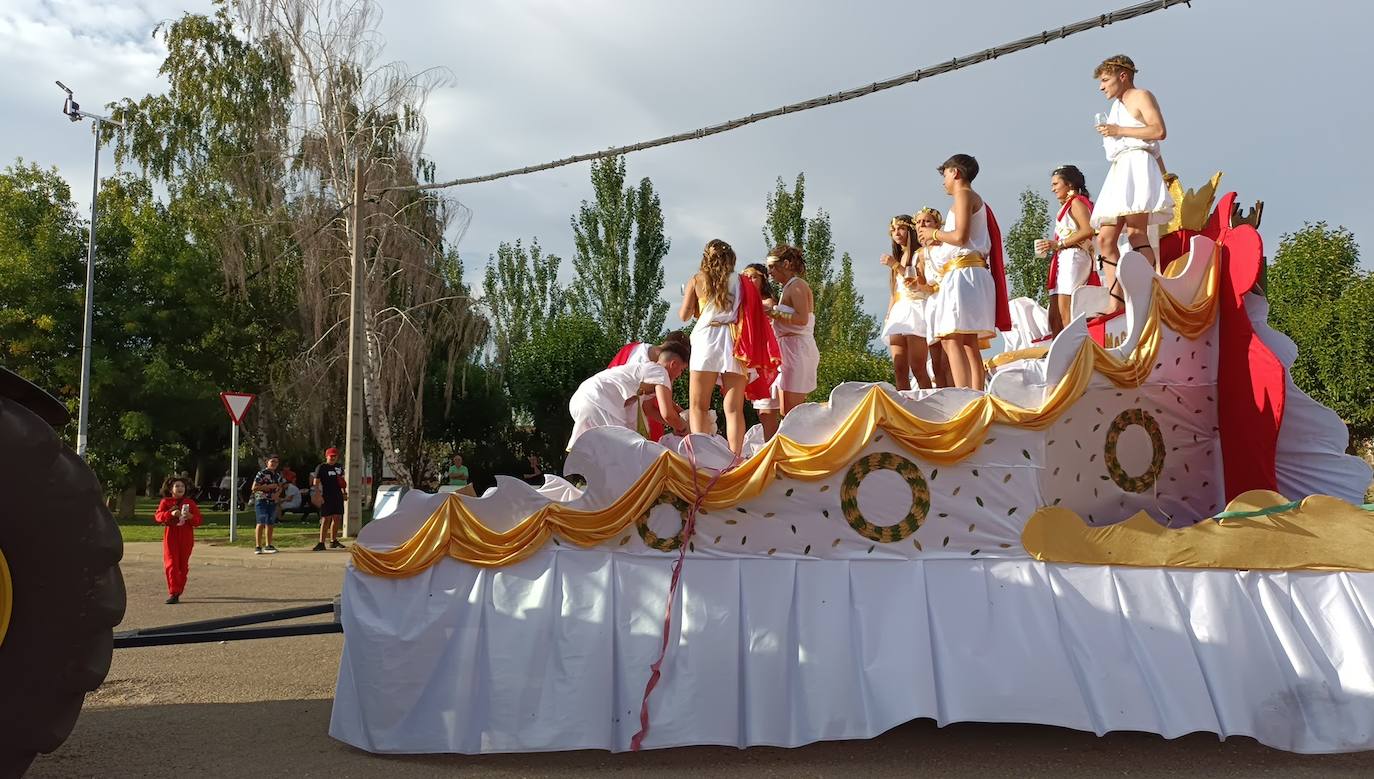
x=966, y=303
x=906, y=317
x=552, y=653
x=1134, y=185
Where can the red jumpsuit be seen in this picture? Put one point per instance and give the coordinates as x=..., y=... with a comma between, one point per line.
x=177, y=539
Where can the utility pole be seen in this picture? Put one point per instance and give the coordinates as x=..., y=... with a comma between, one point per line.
x=73, y=111
x=357, y=331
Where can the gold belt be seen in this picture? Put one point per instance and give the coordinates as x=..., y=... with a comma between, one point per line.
x=974, y=260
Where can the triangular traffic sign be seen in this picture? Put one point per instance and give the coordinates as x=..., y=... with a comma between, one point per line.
x=236, y=403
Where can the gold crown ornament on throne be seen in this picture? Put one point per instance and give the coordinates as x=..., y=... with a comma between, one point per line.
x=1193, y=207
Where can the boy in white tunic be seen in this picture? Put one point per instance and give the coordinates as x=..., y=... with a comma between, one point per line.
x=1134, y=196
x=971, y=304
x=609, y=397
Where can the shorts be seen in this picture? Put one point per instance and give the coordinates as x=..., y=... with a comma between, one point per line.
x=267, y=512
x=332, y=507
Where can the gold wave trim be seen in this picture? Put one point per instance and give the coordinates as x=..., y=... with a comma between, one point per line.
x=1320, y=533
x=452, y=530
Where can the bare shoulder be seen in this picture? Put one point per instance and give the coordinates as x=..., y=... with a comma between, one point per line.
x=1139, y=98
x=974, y=200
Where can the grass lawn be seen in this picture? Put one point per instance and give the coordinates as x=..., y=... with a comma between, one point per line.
x=290, y=532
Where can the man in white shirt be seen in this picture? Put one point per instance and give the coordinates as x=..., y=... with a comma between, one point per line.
x=608, y=398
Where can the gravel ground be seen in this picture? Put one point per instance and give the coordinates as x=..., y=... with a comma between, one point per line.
x=230, y=709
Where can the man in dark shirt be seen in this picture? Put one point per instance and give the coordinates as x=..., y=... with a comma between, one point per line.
x=333, y=490
x=268, y=488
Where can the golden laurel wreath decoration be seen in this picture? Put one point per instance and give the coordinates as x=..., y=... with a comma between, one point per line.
x=652, y=539
x=908, y=470
x=1146, y=480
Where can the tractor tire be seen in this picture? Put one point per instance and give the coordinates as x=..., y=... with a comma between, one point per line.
x=60, y=550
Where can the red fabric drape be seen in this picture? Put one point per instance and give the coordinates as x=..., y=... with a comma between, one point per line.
x=756, y=346
x=623, y=356
x=1252, y=383
x=997, y=265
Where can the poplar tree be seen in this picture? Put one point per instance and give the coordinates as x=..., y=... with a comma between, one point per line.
x=619, y=248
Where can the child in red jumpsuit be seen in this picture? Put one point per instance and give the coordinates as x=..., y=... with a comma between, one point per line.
x=179, y=517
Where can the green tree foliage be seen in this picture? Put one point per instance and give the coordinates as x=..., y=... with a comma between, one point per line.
x=1026, y=273
x=155, y=369
x=475, y=420
x=618, y=257
x=548, y=368
x=272, y=107
x=841, y=322
x=840, y=365
x=522, y=295
x=1320, y=298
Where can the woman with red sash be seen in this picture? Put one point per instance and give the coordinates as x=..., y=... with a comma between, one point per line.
x=732, y=342
x=632, y=353
x=1071, y=264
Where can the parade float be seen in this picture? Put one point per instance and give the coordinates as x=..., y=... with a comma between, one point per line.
x=1141, y=525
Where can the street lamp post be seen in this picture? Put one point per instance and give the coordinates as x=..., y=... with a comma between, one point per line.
x=73, y=111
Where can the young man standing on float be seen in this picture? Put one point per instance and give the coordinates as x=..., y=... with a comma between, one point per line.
x=1134, y=196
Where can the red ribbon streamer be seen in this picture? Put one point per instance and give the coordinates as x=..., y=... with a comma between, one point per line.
x=689, y=525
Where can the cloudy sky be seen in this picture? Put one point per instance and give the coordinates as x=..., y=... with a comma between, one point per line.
x=1274, y=94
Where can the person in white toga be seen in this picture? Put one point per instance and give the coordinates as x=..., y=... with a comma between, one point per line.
x=1134, y=195
x=610, y=397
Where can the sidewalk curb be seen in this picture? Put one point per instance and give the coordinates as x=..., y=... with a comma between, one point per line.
x=206, y=554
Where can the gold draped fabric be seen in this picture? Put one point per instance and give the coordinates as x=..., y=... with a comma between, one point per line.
x=1320, y=533
x=454, y=531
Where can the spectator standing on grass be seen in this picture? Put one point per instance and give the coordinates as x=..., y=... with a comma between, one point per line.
x=268, y=489
x=179, y=516
x=328, y=479
x=535, y=473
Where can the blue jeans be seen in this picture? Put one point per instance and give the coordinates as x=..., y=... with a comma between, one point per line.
x=267, y=512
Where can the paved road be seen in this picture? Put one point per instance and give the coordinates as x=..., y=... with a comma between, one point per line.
x=263, y=707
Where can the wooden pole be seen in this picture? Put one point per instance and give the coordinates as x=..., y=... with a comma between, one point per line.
x=353, y=449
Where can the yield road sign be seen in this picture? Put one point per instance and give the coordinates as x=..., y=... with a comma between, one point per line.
x=236, y=403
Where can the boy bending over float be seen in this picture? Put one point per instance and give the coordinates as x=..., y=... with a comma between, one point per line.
x=637, y=352
x=611, y=397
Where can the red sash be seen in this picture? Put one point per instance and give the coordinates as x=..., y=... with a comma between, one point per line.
x=654, y=426
x=999, y=272
x=756, y=346
x=623, y=356
x=1092, y=281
